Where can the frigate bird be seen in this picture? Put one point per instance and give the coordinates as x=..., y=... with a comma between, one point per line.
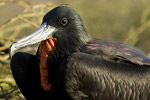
x=72, y=65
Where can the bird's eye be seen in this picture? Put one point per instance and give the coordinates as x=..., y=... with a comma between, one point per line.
x=64, y=21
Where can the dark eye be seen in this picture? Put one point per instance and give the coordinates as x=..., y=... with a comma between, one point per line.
x=64, y=21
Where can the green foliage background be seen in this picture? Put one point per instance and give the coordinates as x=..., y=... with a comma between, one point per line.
x=126, y=21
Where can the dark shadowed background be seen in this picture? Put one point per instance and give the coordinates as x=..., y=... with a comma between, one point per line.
x=126, y=21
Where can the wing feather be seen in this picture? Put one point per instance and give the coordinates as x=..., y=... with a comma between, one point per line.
x=88, y=77
x=116, y=51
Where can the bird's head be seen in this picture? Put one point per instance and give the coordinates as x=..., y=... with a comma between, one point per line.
x=62, y=23
x=61, y=29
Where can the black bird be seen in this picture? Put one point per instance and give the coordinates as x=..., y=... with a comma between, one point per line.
x=71, y=65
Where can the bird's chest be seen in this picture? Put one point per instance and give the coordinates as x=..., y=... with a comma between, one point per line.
x=54, y=65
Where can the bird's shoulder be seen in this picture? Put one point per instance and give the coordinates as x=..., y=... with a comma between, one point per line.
x=116, y=51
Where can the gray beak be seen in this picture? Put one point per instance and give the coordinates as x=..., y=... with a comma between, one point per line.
x=42, y=33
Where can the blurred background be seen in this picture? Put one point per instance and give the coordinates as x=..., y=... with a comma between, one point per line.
x=126, y=21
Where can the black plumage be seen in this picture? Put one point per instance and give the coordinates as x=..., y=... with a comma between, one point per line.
x=80, y=67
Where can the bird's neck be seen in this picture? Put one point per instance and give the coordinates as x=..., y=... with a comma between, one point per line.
x=63, y=49
x=65, y=46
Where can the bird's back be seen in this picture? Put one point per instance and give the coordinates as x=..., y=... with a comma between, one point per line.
x=116, y=51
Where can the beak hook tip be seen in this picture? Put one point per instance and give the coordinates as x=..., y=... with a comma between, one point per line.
x=12, y=50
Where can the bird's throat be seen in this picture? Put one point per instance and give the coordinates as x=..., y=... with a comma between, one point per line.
x=46, y=47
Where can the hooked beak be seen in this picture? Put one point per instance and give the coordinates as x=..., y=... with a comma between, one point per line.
x=42, y=33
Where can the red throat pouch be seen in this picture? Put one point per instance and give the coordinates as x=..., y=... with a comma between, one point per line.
x=45, y=48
